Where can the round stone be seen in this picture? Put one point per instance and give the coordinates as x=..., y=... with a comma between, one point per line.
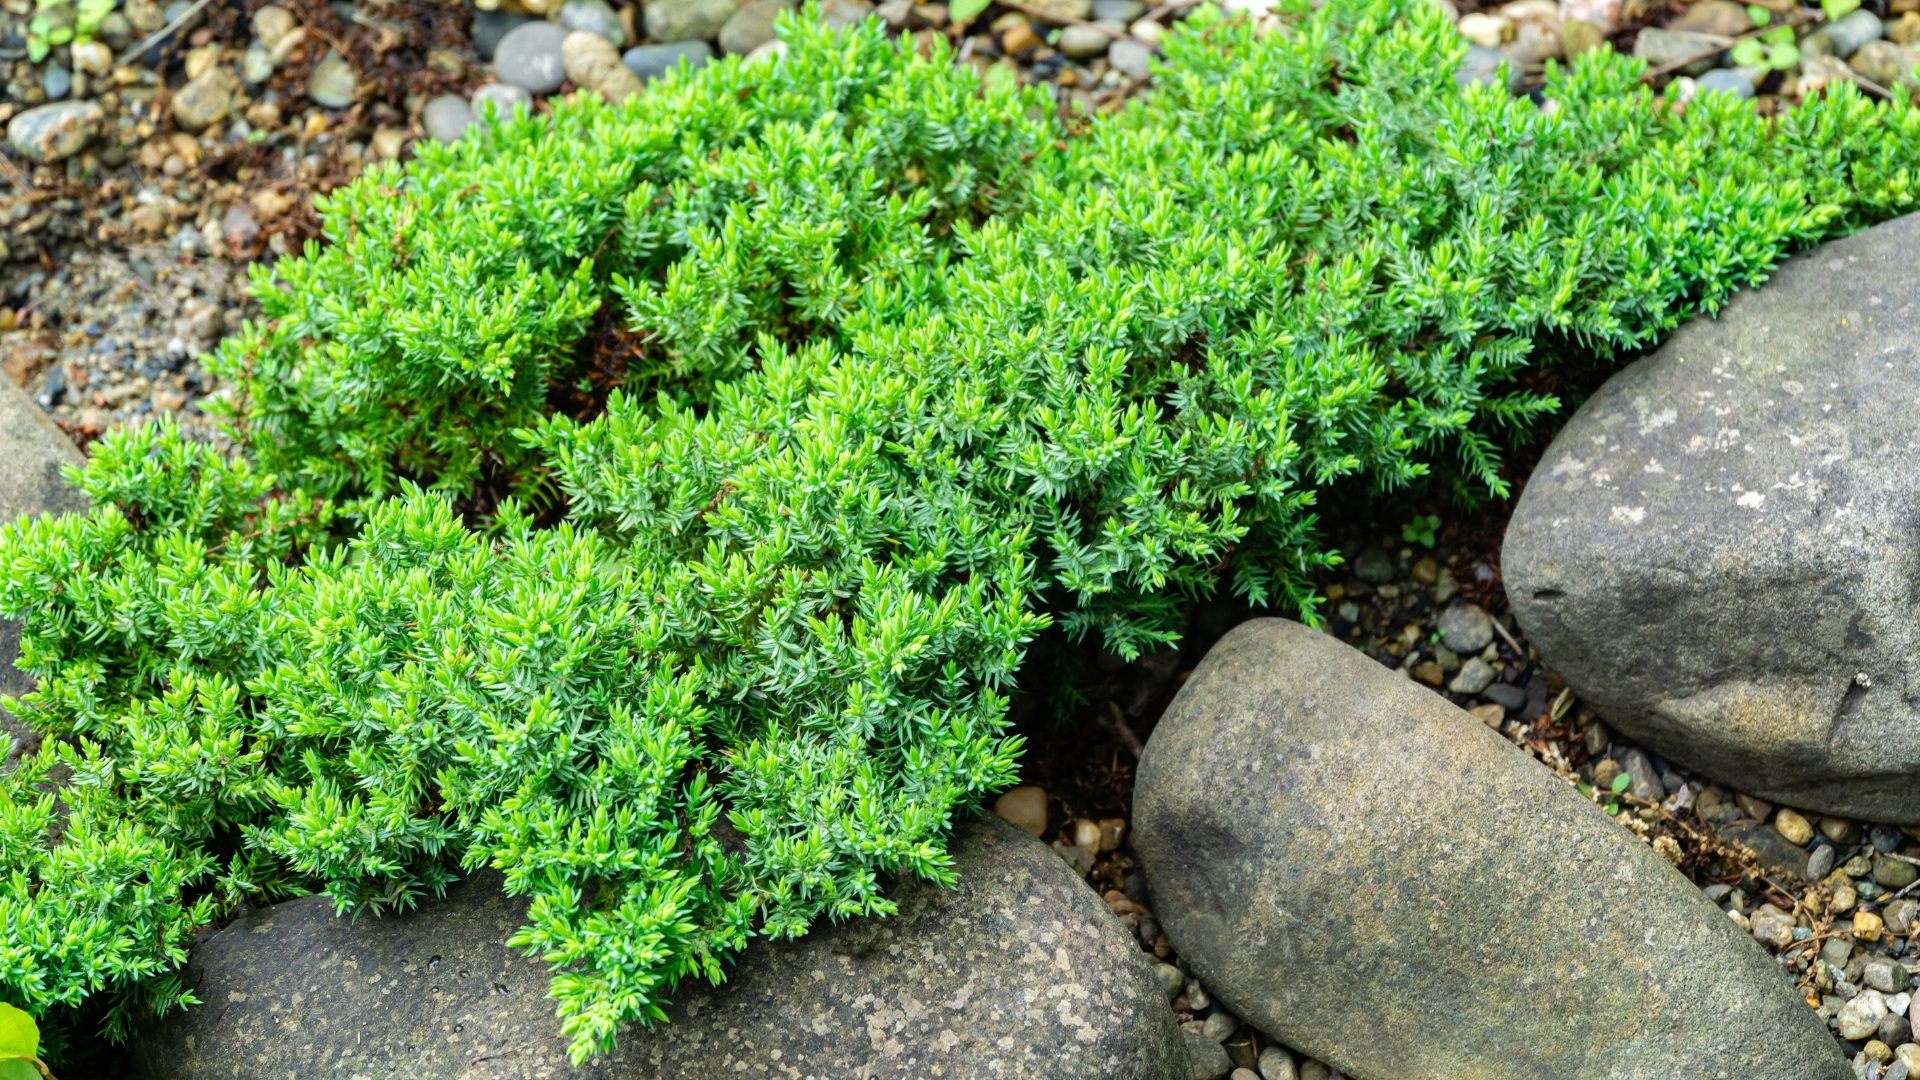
x=751, y=26
x=1276, y=1064
x=1820, y=862
x=1086, y=42
x=57, y=82
x=1466, y=628
x=1373, y=564
x=1792, y=826
x=686, y=20
x=501, y=98
x=1474, y=676
x=1725, y=81
x=1894, y=873
x=203, y=101
x=1860, y=1018
x=594, y=17
x=1130, y=58
x=53, y=132
x=529, y=57
x=1220, y=1026
x=332, y=82
x=1025, y=806
x=271, y=23
x=649, y=62
x=446, y=118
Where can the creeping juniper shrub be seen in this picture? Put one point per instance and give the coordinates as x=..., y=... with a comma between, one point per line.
x=922, y=370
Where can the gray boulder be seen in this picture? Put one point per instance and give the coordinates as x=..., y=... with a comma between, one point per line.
x=1718, y=551
x=1020, y=971
x=1371, y=876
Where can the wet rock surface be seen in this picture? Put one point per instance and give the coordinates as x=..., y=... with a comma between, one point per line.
x=1364, y=872
x=1716, y=552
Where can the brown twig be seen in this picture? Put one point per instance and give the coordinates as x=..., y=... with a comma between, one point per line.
x=1726, y=43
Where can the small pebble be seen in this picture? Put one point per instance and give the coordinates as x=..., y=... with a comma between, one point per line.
x=595, y=17
x=489, y=27
x=1025, y=806
x=1794, y=827
x=56, y=81
x=529, y=57
x=1820, y=862
x=1475, y=675
x=1860, y=1017
x=1726, y=81
x=502, y=98
x=446, y=118
x=652, y=61
x=1373, y=564
x=1276, y=1064
x=332, y=83
x=750, y=27
x=1894, y=873
x=674, y=21
x=1466, y=628
x=1221, y=1025
x=1171, y=980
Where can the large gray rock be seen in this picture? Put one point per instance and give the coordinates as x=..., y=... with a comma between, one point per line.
x=32, y=454
x=1020, y=971
x=1718, y=552
x=1369, y=875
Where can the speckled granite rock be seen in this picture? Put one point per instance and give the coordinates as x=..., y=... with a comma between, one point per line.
x=32, y=453
x=1718, y=551
x=1019, y=972
x=1368, y=874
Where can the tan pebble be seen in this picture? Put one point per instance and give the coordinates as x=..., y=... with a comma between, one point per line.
x=1792, y=826
x=1430, y=673
x=1025, y=806
x=1875, y=1050
x=174, y=166
x=1757, y=809
x=273, y=23
x=1086, y=834
x=1867, y=926
x=388, y=143
x=269, y=204
x=1491, y=714
x=1112, y=831
x=1840, y=830
x=147, y=218
x=169, y=399
x=1908, y=1053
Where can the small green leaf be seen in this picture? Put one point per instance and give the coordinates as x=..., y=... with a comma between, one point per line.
x=1613, y=808
x=1421, y=530
x=19, y=1035
x=1760, y=16
x=38, y=26
x=60, y=35
x=1779, y=35
x=1749, y=53
x=1782, y=57
x=1836, y=9
x=962, y=10
x=1621, y=783
x=36, y=49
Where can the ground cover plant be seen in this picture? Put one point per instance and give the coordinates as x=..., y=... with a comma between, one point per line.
x=913, y=369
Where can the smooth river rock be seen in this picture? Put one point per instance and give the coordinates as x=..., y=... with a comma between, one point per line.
x=1718, y=552
x=1020, y=971
x=1369, y=875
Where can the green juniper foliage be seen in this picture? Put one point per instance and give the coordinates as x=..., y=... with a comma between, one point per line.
x=917, y=368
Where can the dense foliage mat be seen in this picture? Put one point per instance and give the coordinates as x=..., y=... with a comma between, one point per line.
x=911, y=368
